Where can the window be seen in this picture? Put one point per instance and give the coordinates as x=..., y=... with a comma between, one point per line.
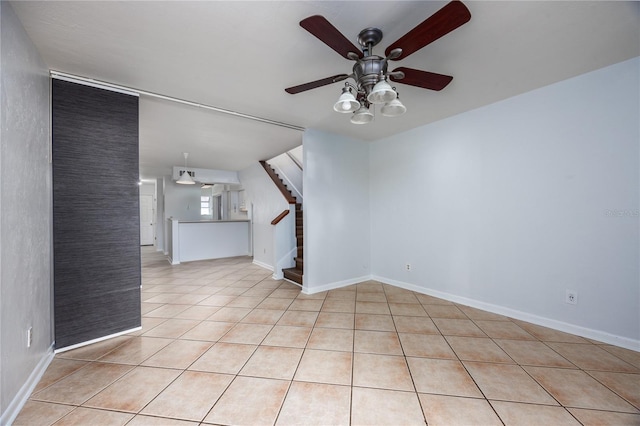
x=205, y=206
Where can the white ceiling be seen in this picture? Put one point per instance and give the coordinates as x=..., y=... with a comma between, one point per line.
x=240, y=55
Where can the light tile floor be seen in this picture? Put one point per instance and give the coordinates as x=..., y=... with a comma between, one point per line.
x=223, y=343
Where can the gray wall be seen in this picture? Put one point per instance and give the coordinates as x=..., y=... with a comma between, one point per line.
x=25, y=214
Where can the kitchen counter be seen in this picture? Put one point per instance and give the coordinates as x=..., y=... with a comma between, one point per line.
x=192, y=240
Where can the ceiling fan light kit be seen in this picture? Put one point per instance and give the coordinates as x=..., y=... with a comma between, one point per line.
x=370, y=71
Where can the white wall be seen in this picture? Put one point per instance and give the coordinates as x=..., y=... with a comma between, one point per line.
x=25, y=216
x=509, y=205
x=181, y=201
x=265, y=202
x=336, y=214
x=290, y=173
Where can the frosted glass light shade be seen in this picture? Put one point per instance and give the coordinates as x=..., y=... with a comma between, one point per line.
x=346, y=102
x=381, y=93
x=362, y=116
x=393, y=108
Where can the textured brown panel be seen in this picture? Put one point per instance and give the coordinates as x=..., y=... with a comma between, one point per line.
x=95, y=212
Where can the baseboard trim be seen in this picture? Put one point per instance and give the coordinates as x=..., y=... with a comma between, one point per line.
x=588, y=333
x=335, y=285
x=27, y=388
x=262, y=265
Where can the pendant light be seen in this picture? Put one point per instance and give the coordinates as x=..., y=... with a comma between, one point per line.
x=185, y=179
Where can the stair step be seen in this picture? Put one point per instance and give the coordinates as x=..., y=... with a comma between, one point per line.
x=293, y=274
x=278, y=182
x=299, y=263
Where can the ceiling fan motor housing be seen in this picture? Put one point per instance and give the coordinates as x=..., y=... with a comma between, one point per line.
x=368, y=70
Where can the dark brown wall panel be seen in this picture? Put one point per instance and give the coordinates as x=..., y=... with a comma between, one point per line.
x=96, y=223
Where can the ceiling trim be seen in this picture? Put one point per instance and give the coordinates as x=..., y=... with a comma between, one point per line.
x=130, y=90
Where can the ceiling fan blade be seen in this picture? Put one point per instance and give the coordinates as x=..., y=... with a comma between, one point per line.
x=445, y=20
x=314, y=84
x=424, y=79
x=329, y=35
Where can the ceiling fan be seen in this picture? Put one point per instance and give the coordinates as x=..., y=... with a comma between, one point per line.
x=370, y=71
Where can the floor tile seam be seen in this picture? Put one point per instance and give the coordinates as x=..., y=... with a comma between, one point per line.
x=539, y=382
x=101, y=356
x=522, y=369
x=173, y=381
x=456, y=335
x=286, y=394
x=145, y=359
x=60, y=378
x=635, y=405
x=44, y=401
x=568, y=406
x=513, y=361
x=238, y=374
x=353, y=365
x=637, y=370
x=93, y=408
x=484, y=396
x=233, y=374
x=406, y=361
x=533, y=338
x=172, y=337
x=565, y=409
x=560, y=355
x=607, y=346
x=95, y=393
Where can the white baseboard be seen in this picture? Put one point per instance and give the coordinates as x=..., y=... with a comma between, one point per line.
x=21, y=398
x=588, y=333
x=263, y=265
x=335, y=285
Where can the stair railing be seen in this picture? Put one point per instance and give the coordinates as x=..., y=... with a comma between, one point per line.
x=284, y=241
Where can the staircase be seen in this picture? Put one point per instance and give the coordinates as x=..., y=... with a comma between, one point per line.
x=295, y=274
x=292, y=274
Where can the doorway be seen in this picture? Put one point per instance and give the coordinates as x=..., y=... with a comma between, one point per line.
x=146, y=220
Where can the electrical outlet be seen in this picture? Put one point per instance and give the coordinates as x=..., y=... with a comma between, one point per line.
x=29, y=336
x=407, y=267
x=571, y=297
